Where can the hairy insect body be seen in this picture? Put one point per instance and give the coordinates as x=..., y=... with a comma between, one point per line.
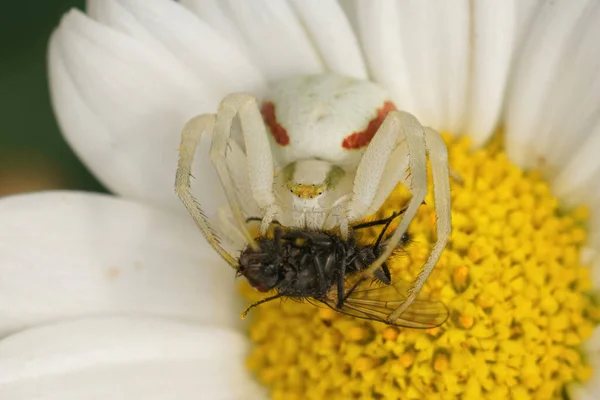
x=303, y=263
x=319, y=267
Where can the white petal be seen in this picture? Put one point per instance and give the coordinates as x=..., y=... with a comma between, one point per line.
x=455, y=52
x=113, y=14
x=125, y=358
x=578, y=178
x=68, y=254
x=526, y=11
x=594, y=227
x=592, y=345
x=384, y=50
x=93, y=8
x=419, y=50
x=121, y=108
x=331, y=32
x=350, y=8
x=493, y=45
x=270, y=29
x=572, y=108
x=421, y=25
x=217, y=14
x=276, y=37
x=591, y=254
x=589, y=390
x=582, y=392
x=541, y=61
x=595, y=268
x=167, y=24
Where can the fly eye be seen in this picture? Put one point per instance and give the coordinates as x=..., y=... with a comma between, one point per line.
x=406, y=238
x=291, y=190
x=321, y=192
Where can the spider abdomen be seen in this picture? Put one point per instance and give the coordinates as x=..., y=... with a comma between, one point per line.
x=327, y=116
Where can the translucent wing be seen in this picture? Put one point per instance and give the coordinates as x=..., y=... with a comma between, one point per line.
x=378, y=303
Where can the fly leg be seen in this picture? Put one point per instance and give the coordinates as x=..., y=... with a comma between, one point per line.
x=384, y=274
x=382, y=234
x=320, y=270
x=359, y=265
x=341, y=295
x=383, y=221
x=277, y=234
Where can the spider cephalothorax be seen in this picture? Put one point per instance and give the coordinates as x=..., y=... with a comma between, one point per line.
x=319, y=152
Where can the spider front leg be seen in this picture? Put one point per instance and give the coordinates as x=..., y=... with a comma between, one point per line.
x=438, y=158
x=258, y=151
x=398, y=128
x=190, y=139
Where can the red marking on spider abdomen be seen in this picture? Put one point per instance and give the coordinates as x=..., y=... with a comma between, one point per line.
x=279, y=133
x=360, y=139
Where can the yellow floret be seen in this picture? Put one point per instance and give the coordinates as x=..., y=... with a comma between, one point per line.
x=513, y=282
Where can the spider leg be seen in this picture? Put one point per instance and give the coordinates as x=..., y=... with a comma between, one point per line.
x=338, y=214
x=190, y=138
x=229, y=228
x=438, y=156
x=383, y=164
x=396, y=171
x=258, y=219
x=258, y=152
x=370, y=171
x=397, y=125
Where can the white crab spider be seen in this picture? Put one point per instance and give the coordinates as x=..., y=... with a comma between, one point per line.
x=319, y=151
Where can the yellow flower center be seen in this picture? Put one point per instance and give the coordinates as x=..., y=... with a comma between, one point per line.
x=510, y=276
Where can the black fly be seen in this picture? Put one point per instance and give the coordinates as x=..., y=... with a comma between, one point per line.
x=316, y=265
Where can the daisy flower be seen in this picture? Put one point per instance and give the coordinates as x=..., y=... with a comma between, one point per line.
x=121, y=298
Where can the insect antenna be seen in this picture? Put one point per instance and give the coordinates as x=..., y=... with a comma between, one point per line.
x=258, y=303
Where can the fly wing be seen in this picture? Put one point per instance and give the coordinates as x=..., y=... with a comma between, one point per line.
x=378, y=303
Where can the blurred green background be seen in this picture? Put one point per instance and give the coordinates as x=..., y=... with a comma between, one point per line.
x=33, y=154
